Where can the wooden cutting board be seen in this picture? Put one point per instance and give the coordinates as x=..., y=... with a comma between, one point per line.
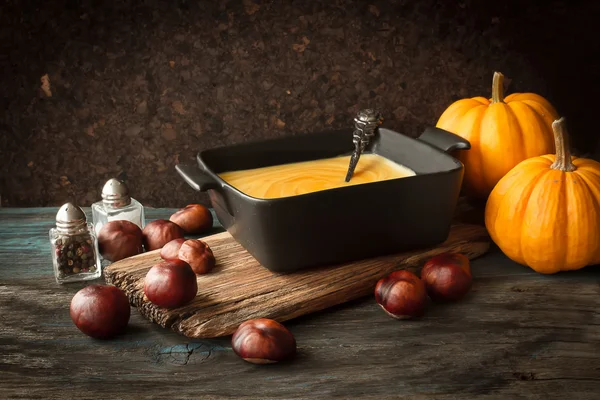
x=239, y=288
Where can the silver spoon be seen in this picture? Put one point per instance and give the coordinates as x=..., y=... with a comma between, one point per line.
x=365, y=124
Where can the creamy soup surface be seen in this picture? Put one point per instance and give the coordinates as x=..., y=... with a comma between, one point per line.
x=311, y=176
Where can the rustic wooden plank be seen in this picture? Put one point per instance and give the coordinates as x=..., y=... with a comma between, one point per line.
x=539, y=345
x=239, y=288
x=517, y=335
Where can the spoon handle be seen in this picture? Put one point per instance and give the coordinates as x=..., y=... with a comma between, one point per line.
x=365, y=124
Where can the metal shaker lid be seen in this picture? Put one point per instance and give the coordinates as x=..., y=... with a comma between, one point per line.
x=70, y=218
x=115, y=194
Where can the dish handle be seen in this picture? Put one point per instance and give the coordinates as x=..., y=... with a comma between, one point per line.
x=195, y=178
x=201, y=182
x=444, y=140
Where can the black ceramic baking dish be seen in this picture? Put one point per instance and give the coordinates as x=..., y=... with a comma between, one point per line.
x=343, y=224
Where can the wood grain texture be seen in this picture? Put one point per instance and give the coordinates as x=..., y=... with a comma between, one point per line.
x=239, y=288
x=517, y=335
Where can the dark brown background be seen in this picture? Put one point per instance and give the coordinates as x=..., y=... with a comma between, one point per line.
x=139, y=87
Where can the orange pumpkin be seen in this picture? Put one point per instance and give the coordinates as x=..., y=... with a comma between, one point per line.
x=545, y=213
x=502, y=132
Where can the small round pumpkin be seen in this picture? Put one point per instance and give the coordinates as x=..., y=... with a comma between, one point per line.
x=545, y=212
x=502, y=132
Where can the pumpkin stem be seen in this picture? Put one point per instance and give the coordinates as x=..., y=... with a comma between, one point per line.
x=562, y=161
x=498, y=88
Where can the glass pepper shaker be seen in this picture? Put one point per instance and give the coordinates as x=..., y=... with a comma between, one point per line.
x=74, y=245
x=117, y=204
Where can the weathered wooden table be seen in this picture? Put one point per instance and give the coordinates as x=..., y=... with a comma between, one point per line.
x=518, y=335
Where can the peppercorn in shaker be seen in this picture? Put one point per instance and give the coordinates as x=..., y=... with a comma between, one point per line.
x=74, y=246
x=116, y=204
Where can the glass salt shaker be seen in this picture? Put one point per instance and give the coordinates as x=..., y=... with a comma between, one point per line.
x=74, y=245
x=117, y=204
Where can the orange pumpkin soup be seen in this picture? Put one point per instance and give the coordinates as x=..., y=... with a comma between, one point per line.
x=311, y=176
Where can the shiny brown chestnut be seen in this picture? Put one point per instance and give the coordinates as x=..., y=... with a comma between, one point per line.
x=160, y=232
x=193, y=218
x=120, y=239
x=401, y=294
x=263, y=341
x=100, y=311
x=170, y=250
x=170, y=284
x=447, y=277
x=198, y=255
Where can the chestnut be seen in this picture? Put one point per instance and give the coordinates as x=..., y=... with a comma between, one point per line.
x=263, y=341
x=401, y=294
x=447, y=277
x=160, y=232
x=198, y=255
x=193, y=218
x=120, y=239
x=170, y=250
x=170, y=284
x=100, y=311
